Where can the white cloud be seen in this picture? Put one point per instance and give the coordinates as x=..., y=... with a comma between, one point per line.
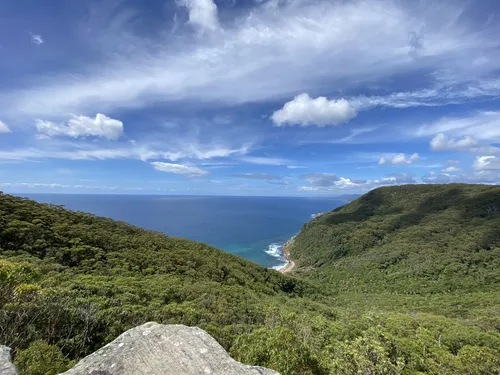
x=451, y=170
x=330, y=182
x=398, y=159
x=274, y=53
x=202, y=14
x=4, y=128
x=36, y=39
x=440, y=94
x=305, y=111
x=486, y=150
x=196, y=151
x=487, y=163
x=264, y=160
x=178, y=169
x=484, y=125
x=320, y=180
x=83, y=126
x=441, y=142
x=136, y=151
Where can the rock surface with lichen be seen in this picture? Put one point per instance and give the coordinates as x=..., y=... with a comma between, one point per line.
x=156, y=349
x=6, y=366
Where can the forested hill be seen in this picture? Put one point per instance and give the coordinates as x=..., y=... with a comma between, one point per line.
x=77, y=281
x=401, y=281
x=410, y=239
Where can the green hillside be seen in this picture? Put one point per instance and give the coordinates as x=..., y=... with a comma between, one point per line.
x=420, y=299
x=407, y=239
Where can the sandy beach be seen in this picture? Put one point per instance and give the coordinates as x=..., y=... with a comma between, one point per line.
x=286, y=251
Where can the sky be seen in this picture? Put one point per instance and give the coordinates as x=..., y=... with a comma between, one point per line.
x=247, y=97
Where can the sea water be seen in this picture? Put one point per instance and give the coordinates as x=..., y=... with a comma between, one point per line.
x=255, y=228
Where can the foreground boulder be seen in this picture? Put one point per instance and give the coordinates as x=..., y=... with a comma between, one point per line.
x=6, y=367
x=156, y=349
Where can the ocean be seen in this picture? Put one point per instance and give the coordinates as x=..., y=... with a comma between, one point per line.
x=254, y=228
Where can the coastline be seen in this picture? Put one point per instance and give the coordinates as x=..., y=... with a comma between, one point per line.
x=286, y=253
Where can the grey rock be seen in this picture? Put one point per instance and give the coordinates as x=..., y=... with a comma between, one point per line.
x=156, y=349
x=6, y=366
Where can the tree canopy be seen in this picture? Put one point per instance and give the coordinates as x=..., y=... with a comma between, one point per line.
x=403, y=280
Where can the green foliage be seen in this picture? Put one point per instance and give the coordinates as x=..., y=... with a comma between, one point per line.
x=278, y=348
x=403, y=280
x=410, y=239
x=476, y=360
x=41, y=358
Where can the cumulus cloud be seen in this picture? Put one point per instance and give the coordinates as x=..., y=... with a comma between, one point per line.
x=485, y=163
x=441, y=142
x=202, y=14
x=257, y=176
x=83, y=126
x=178, y=169
x=399, y=159
x=36, y=39
x=306, y=111
x=4, y=127
x=451, y=169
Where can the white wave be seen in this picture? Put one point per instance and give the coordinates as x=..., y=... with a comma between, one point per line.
x=277, y=268
x=314, y=216
x=276, y=251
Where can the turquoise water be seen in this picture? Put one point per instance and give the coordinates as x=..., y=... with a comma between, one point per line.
x=252, y=227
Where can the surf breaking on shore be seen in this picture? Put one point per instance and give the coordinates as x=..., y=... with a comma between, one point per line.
x=276, y=251
x=279, y=251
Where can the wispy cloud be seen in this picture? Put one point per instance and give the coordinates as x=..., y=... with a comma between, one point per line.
x=451, y=169
x=274, y=53
x=482, y=125
x=257, y=176
x=328, y=182
x=178, y=169
x=264, y=160
x=4, y=128
x=36, y=39
x=321, y=180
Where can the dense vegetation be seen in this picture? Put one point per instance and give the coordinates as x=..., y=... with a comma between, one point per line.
x=414, y=239
x=402, y=280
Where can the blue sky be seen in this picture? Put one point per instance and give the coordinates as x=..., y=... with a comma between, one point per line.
x=288, y=97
